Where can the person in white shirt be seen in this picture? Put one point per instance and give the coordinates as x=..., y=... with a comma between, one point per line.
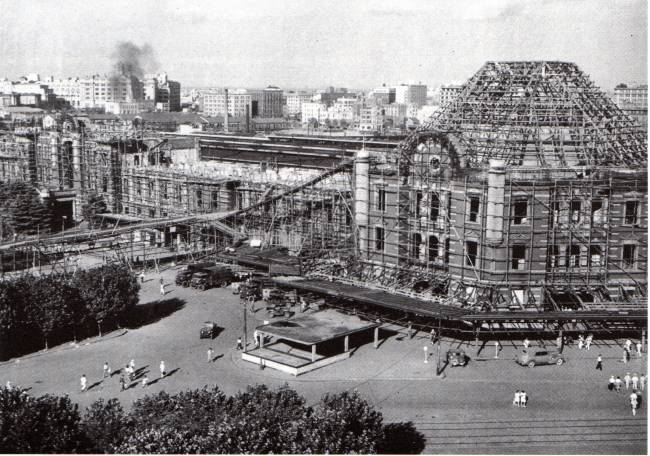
x=107, y=370
x=162, y=369
x=524, y=398
x=581, y=342
x=526, y=343
x=517, y=399
x=634, y=402
x=639, y=348
x=588, y=341
x=619, y=384
x=612, y=383
x=84, y=382
x=627, y=379
x=145, y=380
x=635, y=381
x=628, y=345
x=642, y=380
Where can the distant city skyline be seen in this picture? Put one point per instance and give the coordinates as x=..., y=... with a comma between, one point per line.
x=301, y=44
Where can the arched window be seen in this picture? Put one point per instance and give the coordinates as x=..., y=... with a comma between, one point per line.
x=433, y=249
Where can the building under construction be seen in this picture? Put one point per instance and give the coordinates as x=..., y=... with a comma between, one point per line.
x=526, y=193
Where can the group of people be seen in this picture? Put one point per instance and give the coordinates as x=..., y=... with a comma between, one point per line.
x=162, y=283
x=634, y=381
x=129, y=369
x=520, y=399
x=585, y=342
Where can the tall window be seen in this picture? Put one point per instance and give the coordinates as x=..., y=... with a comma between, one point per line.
x=573, y=259
x=575, y=211
x=416, y=241
x=597, y=212
x=629, y=255
x=215, y=200
x=199, y=199
x=518, y=257
x=553, y=256
x=474, y=204
x=418, y=203
x=435, y=206
x=379, y=239
x=471, y=250
x=381, y=199
x=163, y=188
x=631, y=211
x=520, y=212
x=555, y=213
x=433, y=248
x=595, y=256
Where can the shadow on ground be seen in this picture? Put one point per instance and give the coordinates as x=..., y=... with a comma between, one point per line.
x=151, y=312
x=401, y=438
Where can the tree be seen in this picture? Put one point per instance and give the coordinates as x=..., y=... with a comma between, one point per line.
x=11, y=306
x=108, y=292
x=105, y=425
x=401, y=438
x=343, y=123
x=259, y=420
x=45, y=424
x=162, y=440
x=94, y=205
x=342, y=423
x=22, y=209
x=52, y=304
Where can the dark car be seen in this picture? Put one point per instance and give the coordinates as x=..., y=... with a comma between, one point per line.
x=208, y=331
x=457, y=357
x=536, y=357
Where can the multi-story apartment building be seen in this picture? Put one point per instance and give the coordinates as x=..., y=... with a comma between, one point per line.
x=163, y=91
x=448, y=93
x=411, y=94
x=313, y=110
x=66, y=89
x=371, y=119
x=295, y=101
x=633, y=94
x=96, y=90
x=214, y=103
x=271, y=102
x=383, y=95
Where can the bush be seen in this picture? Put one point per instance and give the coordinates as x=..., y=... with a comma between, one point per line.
x=46, y=424
x=105, y=424
x=22, y=210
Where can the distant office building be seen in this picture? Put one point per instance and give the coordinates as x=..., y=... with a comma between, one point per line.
x=313, y=110
x=448, y=93
x=96, y=91
x=331, y=94
x=411, y=94
x=383, y=95
x=271, y=102
x=636, y=95
x=371, y=119
x=214, y=103
x=129, y=107
x=68, y=90
x=343, y=109
x=163, y=91
x=27, y=93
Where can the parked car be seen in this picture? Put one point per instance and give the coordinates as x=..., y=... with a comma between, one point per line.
x=536, y=357
x=215, y=276
x=184, y=276
x=208, y=331
x=457, y=357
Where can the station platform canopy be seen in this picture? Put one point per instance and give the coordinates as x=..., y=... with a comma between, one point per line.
x=374, y=297
x=315, y=328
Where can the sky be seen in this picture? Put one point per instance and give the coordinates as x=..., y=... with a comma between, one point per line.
x=311, y=44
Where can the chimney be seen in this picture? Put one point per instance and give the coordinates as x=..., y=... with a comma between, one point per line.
x=225, y=115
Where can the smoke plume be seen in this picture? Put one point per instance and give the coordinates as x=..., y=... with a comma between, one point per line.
x=133, y=60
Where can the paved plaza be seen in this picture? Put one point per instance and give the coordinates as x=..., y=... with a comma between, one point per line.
x=468, y=411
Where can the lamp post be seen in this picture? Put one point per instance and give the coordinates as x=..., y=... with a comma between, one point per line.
x=63, y=219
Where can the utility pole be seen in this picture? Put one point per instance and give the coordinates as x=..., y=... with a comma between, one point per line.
x=439, y=342
x=245, y=326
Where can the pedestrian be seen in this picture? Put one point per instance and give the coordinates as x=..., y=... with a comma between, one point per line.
x=163, y=372
x=145, y=380
x=122, y=382
x=517, y=399
x=627, y=379
x=635, y=381
x=497, y=349
x=524, y=399
x=8, y=386
x=142, y=276
x=625, y=355
x=107, y=370
x=639, y=348
x=129, y=371
x=84, y=382
x=633, y=402
x=588, y=341
x=642, y=380
x=599, y=363
x=628, y=345
x=210, y=354
x=432, y=335
x=526, y=343
x=256, y=338
x=162, y=287
x=132, y=364
x=581, y=342
x=619, y=384
x=239, y=344
x=612, y=383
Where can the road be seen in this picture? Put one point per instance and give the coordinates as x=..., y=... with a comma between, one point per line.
x=468, y=411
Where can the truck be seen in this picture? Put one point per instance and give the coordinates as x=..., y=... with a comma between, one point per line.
x=184, y=276
x=214, y=276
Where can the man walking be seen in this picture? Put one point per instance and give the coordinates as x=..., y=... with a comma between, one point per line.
x=210, y=354
x=627, y=379
x=145, y=380
x=634, y=402
x=432, y=336
x=642, y=380
x=619, y=384
x=162, y=369
x=107, y=370
x=599, y=363
x=239, y=344
x=635, y=381
x=517, y=399
x=588, y=341
x=84, y=382
x=497, y=349
x=628, y=345
x=142, y=276
x=526, y=343
x=122, y=382
x=639, y=348
x=162, y=287
x=612, y=383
